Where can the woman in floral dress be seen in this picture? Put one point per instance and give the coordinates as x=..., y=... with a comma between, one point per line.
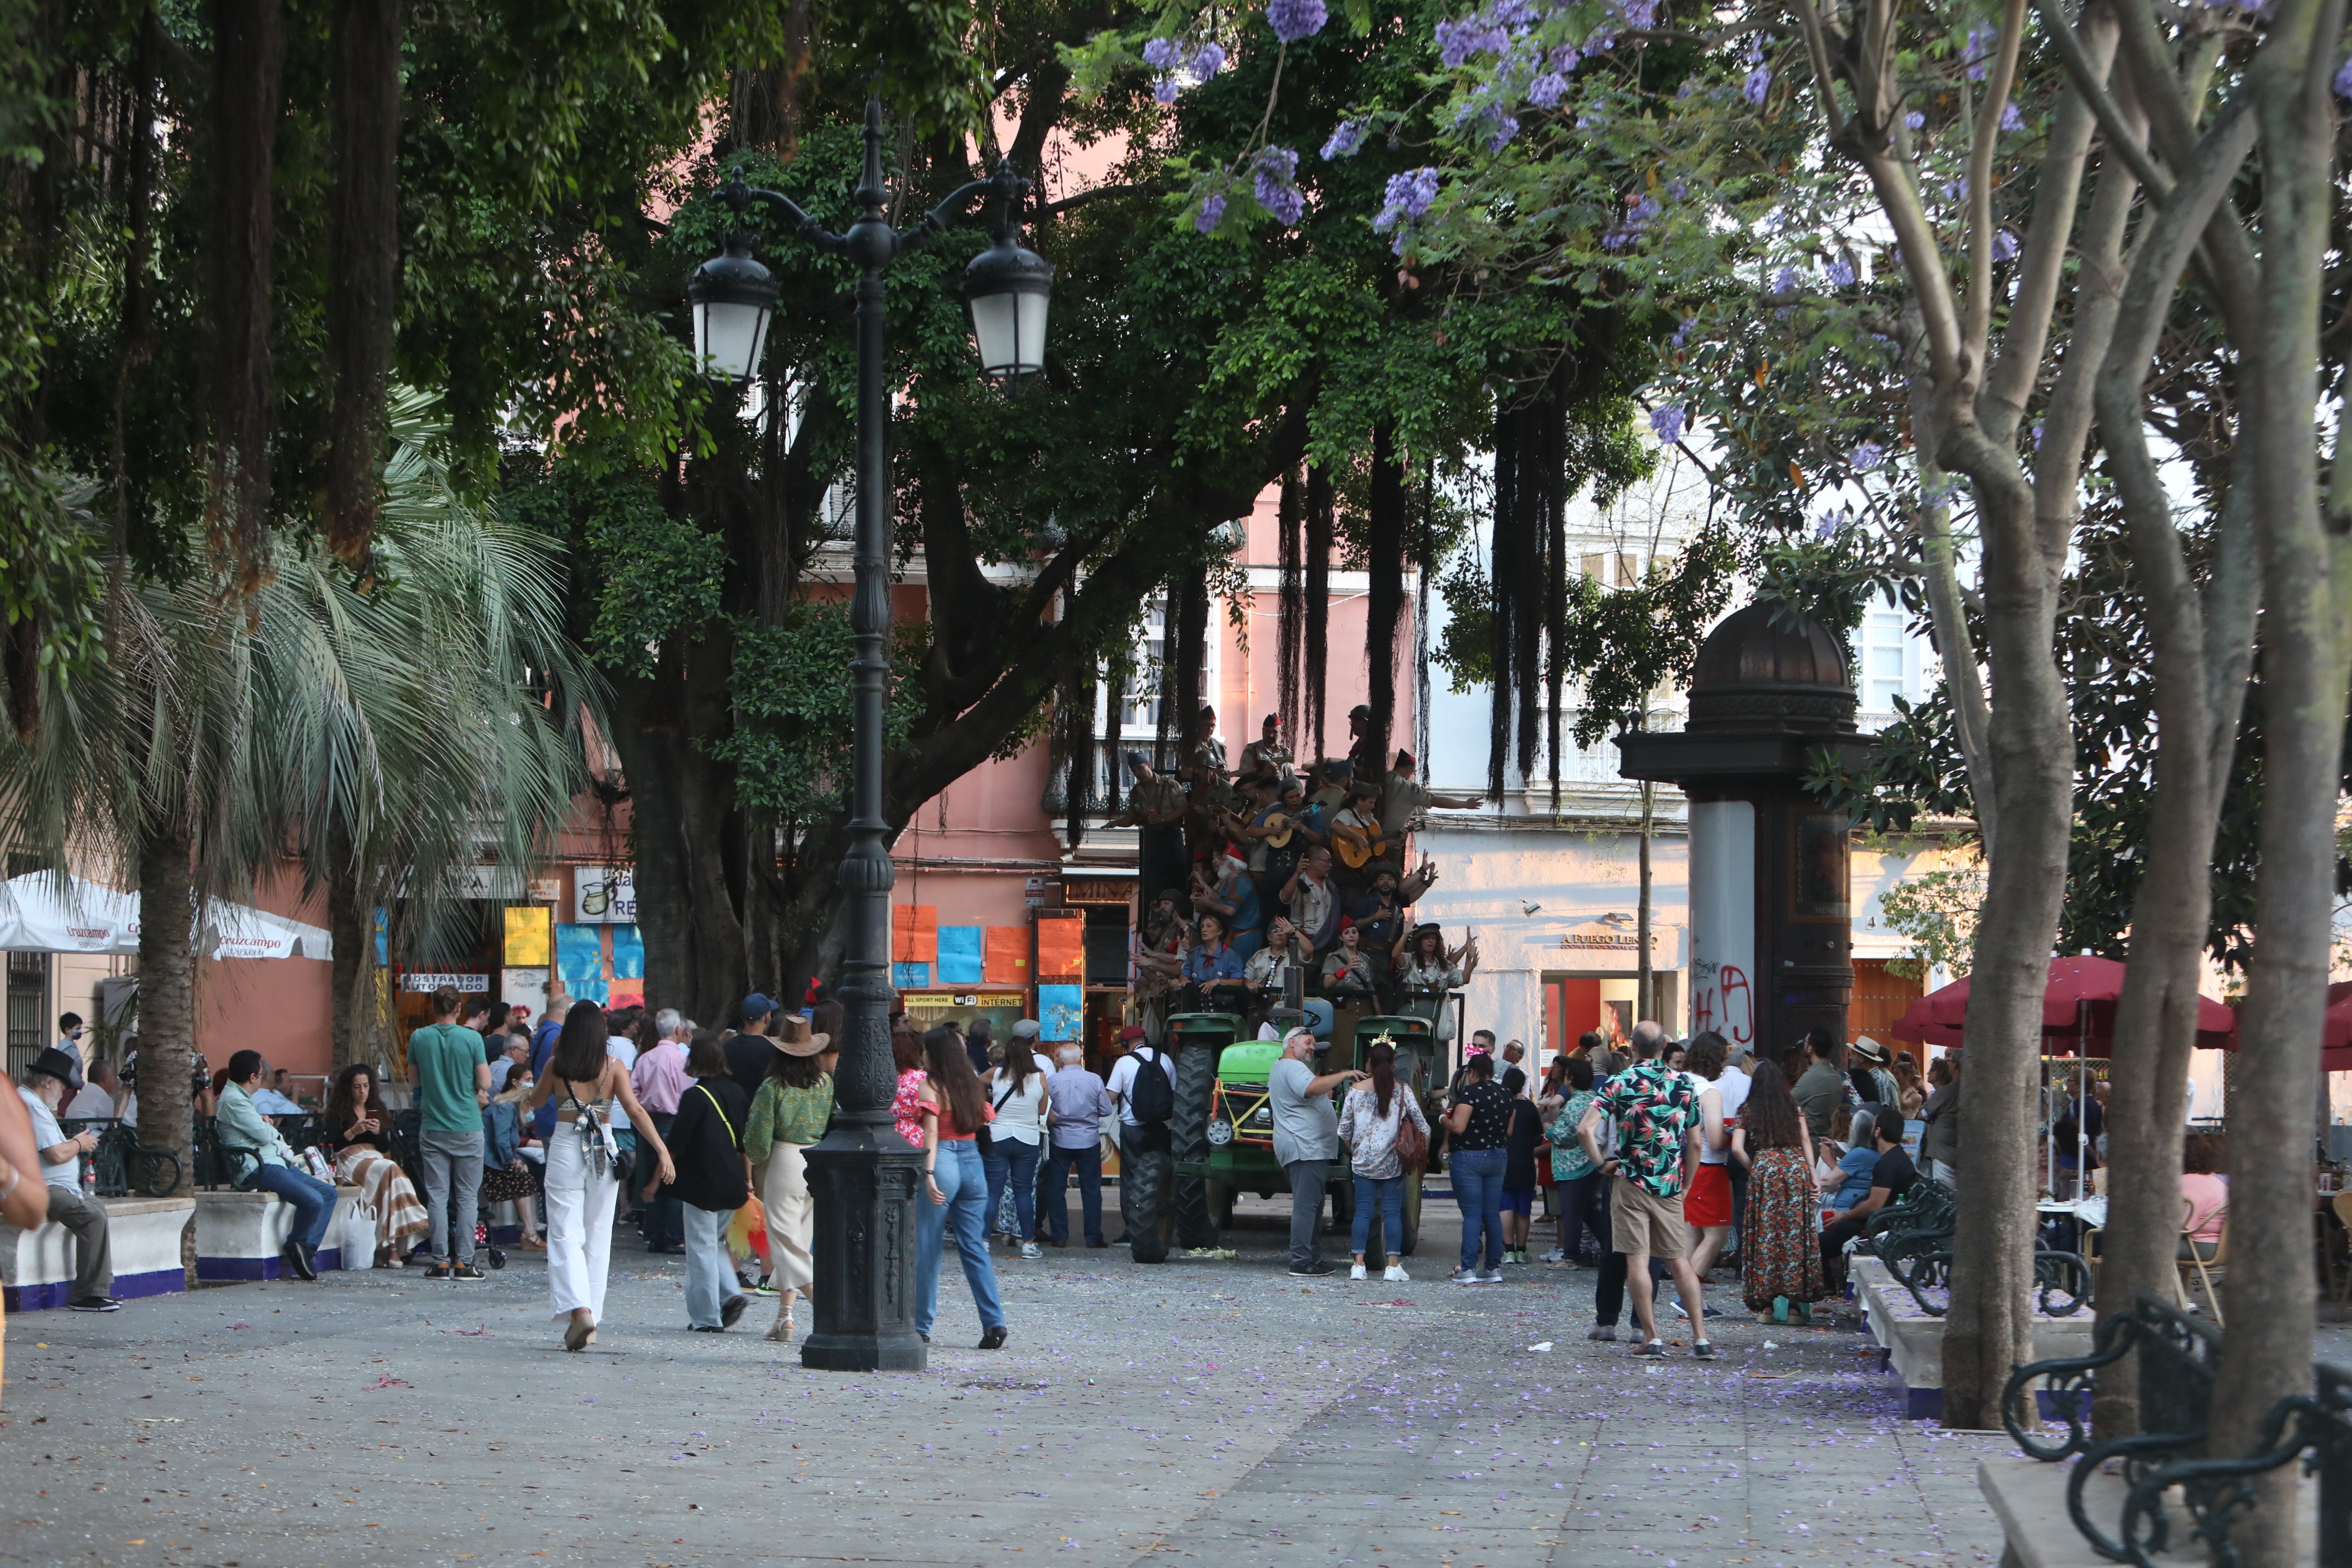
x=1780, y=1236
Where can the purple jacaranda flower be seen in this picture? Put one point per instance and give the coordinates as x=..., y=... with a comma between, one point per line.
x=1212, y=213
x=2344, y=79
x=1668, y=424
x=1295, y=19
x=1209, y=61
x=1548, y=89
x=1915, y=120
x=2011, y=118
x=1759, y=83
x=1868, y=455
x=1840, y=273
x=1164, y=91
x=2004, y=246
x=1160, y=54
x=1344, y=140
x=1981, y=42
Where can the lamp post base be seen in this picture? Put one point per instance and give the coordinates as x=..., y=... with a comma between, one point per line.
x=865, y=1191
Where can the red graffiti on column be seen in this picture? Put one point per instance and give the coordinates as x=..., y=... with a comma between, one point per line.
x=1738, y=1005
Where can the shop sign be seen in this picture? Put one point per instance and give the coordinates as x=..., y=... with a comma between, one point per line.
x=1096, y=890
x=464, y=984
x=605, y=895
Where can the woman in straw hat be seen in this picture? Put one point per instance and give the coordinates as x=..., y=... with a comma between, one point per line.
x=790, y=1112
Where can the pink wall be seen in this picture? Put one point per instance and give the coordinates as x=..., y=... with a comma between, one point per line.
x=279, y=1006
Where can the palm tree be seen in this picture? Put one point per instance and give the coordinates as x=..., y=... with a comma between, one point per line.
x=377, y=731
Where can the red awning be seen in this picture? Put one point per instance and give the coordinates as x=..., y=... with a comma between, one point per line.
x=2079, y=1005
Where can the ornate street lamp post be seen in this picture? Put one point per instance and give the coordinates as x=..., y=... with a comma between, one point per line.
x=863, y=1176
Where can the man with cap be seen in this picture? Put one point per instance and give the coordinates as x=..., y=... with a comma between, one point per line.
x=46, y=1084
x=1268, y=754
x=1871, y=1054
x=1024, y=1038
x=1306, y=1141
x=748, y=1051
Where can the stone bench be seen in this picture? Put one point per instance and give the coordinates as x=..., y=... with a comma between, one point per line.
x=240, y=1235
x=36, y=1266
x=2028, y=1497
x=1914, y=1342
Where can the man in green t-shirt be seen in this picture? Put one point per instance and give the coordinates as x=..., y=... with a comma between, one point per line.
x=1821, y=1089
x=452, y=1075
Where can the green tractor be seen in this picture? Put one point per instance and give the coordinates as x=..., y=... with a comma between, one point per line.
x=1164, y=1197
x=1225, y=1117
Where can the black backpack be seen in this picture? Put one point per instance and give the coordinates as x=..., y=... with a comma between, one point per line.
x=1153, y=1097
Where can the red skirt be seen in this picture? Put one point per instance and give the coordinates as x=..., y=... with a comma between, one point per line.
x=1708, y=1202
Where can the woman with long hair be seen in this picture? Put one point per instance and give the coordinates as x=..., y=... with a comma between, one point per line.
x=1780, y=1235
x=790, y=1111
x=1479, y=1130
x=1016, y=1137
x=953, y=1110
x=907, y=1104
x=706, y=1145
x=357, y=1134
x=506, y=1177
x=1373, y=1120
x=584, y=1080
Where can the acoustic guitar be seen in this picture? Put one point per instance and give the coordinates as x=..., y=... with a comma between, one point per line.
x=1275, y=832
x=1359, y=847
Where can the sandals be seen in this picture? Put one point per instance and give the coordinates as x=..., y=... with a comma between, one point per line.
x=782, y=1329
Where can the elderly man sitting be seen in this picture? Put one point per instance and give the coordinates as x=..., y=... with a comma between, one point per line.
x=47, y=1083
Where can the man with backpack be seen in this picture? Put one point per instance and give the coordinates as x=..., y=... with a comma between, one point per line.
x=1144, y=1086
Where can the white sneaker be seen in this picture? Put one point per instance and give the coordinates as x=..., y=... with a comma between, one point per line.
x=1396, y=1275
x=1358, y=1272
x=1030, y=1251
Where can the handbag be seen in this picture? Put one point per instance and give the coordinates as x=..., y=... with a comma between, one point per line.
x=1411, y=1143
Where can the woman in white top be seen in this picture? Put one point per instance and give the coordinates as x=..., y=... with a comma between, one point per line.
x=1016, y=1088
x=1375, y=1116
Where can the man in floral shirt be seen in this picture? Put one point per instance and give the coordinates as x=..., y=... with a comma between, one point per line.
x=1658, y=1118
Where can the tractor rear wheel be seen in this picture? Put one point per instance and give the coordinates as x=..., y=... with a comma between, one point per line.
x=1143, y=1195
x=1195, y=1086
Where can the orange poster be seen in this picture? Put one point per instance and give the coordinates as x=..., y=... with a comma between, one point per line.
x=1005, y=955
x=1061, y=945
x=915, y=934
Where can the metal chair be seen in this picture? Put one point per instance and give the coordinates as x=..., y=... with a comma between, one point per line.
x=2190, y=1255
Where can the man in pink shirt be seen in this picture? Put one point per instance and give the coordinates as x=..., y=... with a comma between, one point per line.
x=659, y=1079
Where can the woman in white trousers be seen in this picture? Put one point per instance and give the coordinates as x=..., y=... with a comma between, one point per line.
x=583, y=1178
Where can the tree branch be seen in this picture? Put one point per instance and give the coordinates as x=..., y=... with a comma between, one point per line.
x=1985, y=142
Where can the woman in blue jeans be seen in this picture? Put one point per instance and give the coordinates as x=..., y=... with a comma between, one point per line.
x=955, y=1187
x=1479, y=1125
x=239, y=1124
x=1375, y=1117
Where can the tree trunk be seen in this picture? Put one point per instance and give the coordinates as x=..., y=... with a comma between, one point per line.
x=362, y=285
x=1384, y=552
x=2306, y=584
x=1989, y=1326
x=167, y=1014
x=2199, y=669
x=348, y=928
x=248, y=49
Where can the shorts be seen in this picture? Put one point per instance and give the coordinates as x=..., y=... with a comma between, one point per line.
x=1641, y=1223
x=1518, y=1200
x=1708, y=1202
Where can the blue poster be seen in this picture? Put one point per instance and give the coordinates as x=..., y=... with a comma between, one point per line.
x=911, y=976
x=959, y=956
x=597, y=990
x=579, y=956
x=628, y=952
x=1061, y=1011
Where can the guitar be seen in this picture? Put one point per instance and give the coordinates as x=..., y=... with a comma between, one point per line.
x=1359, y=847
x=1275, y=832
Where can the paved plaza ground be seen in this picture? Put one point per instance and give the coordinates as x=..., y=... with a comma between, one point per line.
x=1210, y=1410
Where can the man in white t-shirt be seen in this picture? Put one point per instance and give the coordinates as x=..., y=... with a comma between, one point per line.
x=96, y=1099
x=1707, y=1207
x=46, y=1082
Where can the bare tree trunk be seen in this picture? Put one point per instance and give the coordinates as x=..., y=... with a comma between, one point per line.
x=347, y=926
x=167, y=1014
x=2307, y=589
x=2199, y=670
x=362, y=286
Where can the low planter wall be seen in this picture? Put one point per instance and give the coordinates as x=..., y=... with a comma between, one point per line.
x=36, y=1266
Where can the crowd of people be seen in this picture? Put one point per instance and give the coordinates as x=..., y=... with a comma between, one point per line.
x=1266, y=878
